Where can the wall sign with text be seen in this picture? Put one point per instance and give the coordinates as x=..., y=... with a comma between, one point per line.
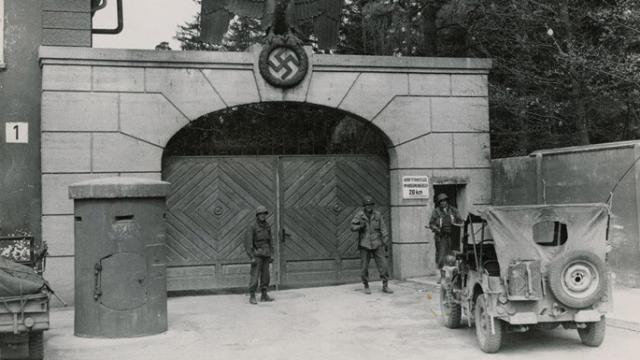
x=17, y=132
x=415, y=187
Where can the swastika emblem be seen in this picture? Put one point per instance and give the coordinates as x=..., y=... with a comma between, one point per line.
x=283, y=63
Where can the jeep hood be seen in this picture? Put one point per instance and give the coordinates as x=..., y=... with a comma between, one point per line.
x=512, y=231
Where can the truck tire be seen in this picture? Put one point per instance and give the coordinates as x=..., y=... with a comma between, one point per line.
x=490, y=342
x=36, y=345
x=450, y=311
x=593, y=334
x=578, y=279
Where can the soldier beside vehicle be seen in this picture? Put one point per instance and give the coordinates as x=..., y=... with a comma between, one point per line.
x=443, y=218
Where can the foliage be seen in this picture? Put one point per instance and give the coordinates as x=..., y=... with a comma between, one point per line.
x=277, y=128
x=243, y=32
x=565, y=72
x=405, y=27
x=163, y=45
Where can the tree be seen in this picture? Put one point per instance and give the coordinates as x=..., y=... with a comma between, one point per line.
x=565, y=72
x=164, y=45
x=406, y=27
x=243, y=32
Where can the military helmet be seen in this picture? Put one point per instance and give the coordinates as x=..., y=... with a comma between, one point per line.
x=368, y=200
x=261, y=210
x=442, y=196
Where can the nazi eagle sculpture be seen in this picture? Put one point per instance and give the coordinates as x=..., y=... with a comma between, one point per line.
x=278, y=17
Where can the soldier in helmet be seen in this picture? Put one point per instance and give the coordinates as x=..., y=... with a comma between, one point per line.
x=259, y=248
x=443, y=218
x=373, y=240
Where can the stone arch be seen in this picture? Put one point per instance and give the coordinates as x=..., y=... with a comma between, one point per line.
x=109, y=112
x=221, y=170
x=378, y=132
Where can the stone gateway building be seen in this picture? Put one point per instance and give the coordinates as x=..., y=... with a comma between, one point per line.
x=108, y=112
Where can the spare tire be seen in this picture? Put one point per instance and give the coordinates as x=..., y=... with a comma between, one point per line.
x=578, y=279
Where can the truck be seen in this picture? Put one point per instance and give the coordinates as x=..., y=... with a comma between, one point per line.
x=24, y=298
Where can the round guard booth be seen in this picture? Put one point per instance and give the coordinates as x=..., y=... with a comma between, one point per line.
x=120, y=266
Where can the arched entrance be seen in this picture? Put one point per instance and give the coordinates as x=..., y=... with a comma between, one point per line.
x=108, y=112
x=309, y=165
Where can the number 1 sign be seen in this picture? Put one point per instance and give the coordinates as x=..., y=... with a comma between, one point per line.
x=17, y=132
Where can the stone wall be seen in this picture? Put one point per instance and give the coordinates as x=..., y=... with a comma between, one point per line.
x=66, y=22
x=20, y=103
x=111, y=112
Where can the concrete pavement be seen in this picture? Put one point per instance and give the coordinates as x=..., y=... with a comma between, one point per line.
x=335, y=322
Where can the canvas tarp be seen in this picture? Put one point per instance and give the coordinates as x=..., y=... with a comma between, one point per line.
x=17, y=279
x=512, y=231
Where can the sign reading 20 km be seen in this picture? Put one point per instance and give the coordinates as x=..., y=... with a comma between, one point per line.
x=415, y=187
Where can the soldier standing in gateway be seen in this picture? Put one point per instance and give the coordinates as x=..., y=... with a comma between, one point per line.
x=443, y=218
x=259, y=248
x=373, y=240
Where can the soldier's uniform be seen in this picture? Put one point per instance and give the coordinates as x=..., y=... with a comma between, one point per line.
x=372, y=241
x=441, y=222
x=258, y=245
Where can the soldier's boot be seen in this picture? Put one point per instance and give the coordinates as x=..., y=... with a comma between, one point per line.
x=265, y=297
x=366, y=289
x=441, y=277
x=252, y=298
x=385, y=288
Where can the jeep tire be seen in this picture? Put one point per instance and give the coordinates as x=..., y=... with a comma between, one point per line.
x=578, y=279
x=593, y=334
x=36, y=345
x=489, y=341
x=451, y=312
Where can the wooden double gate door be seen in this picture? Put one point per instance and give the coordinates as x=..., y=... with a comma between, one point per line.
x=311, y=200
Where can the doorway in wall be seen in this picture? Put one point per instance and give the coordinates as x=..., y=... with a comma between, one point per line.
x=457, y=198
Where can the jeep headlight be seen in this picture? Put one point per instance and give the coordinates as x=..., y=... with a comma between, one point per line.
x=450, y=260
x=502, y=298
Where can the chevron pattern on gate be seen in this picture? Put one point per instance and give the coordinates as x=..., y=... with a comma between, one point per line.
x=213, y=199
x=357, y=178
x=210, y=205
x=321, y=196
x=309, y=190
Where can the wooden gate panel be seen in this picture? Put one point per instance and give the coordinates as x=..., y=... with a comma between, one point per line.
x=321, y=196
x=309, y=192
x=211, y=203
x=357, y=177
x=213, y=199
x=188, y=241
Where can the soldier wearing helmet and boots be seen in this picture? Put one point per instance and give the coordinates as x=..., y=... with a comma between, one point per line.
x=443, y=218
x=258, y=245
x=373, y=240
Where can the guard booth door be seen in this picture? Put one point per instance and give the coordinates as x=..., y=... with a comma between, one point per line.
x=311, y=200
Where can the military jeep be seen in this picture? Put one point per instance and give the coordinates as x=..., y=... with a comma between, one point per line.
x=530, y=266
